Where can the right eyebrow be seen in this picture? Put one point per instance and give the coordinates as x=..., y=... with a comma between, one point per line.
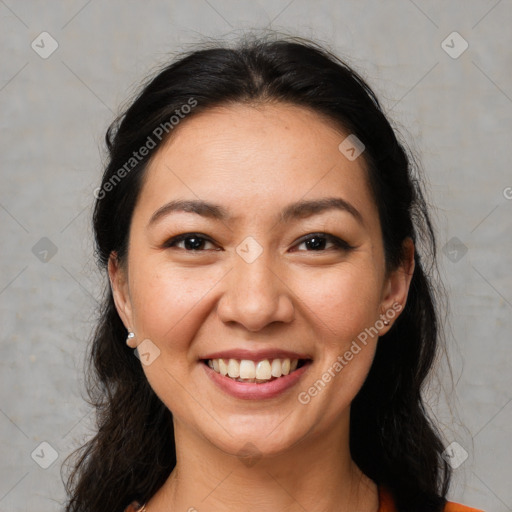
x=203, y=208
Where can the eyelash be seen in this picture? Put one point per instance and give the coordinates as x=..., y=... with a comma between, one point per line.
x=339, y=244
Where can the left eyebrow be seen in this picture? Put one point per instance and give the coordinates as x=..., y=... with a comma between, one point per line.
x=299, y=210
x=304, y=209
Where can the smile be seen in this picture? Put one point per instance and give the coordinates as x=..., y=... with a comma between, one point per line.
x=255, y=380
x=246, y=370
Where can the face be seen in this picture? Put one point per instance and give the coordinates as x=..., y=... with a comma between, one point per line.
x=285, y=262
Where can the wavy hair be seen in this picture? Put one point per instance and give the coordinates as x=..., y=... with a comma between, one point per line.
x=392, y=438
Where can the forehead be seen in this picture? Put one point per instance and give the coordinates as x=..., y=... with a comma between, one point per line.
x=248, y=154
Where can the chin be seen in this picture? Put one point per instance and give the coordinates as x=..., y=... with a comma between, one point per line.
x=257, y=439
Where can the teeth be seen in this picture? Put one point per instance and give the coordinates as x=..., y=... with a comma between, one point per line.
x=276, y=368
x=263, y=370
x=223, y=367
x=233, y=368
x=246, y=370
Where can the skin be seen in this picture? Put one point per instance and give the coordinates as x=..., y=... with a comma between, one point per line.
x=255, y=160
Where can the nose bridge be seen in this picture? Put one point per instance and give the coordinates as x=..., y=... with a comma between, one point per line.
x=256, y=295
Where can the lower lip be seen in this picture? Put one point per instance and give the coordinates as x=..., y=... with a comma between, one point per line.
x=253, y=390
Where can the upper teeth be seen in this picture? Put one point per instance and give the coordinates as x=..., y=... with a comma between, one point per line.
x=247, y=369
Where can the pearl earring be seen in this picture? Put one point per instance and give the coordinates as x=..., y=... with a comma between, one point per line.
x=385, y=322
x=129, y=337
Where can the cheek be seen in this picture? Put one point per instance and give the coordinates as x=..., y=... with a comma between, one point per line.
x=344, y=306
x=167, y=301
x=345, y=360
x=344, y=301
x=169, y=306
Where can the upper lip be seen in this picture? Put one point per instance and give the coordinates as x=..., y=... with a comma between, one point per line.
x=256, y=355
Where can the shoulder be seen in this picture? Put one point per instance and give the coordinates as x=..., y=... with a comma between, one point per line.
x=387, y=504
x=457, y=507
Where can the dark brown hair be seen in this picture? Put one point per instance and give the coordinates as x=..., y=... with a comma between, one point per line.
x=392, y=438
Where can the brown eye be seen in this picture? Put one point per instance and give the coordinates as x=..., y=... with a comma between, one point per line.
x=316, y=242
x=192, y=242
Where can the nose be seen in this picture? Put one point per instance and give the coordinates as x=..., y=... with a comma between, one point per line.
x=255, y=295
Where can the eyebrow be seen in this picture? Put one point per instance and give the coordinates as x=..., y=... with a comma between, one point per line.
x=299, y=210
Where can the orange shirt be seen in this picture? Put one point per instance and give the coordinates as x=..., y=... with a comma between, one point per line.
x=386, y=504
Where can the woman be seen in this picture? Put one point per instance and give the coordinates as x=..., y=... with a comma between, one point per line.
x=260, y=223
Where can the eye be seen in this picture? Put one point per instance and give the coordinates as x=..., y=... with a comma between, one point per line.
x=192, y=242
x=317, y=242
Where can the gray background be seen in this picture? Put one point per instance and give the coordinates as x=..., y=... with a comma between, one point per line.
x=455, y=112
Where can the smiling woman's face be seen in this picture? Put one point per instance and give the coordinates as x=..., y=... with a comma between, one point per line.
x=252, y=281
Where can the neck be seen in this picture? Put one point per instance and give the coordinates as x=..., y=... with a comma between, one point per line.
x=315, y=474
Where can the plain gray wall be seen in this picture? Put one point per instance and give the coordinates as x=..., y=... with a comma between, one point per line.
x=454, y=110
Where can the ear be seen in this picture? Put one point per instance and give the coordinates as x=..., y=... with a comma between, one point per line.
x=120, y=290
x=396, y=286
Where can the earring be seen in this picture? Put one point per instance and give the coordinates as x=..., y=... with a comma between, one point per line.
x=385, y=322
x=129, y=337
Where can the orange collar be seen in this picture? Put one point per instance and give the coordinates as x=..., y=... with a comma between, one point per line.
x=386, y=503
